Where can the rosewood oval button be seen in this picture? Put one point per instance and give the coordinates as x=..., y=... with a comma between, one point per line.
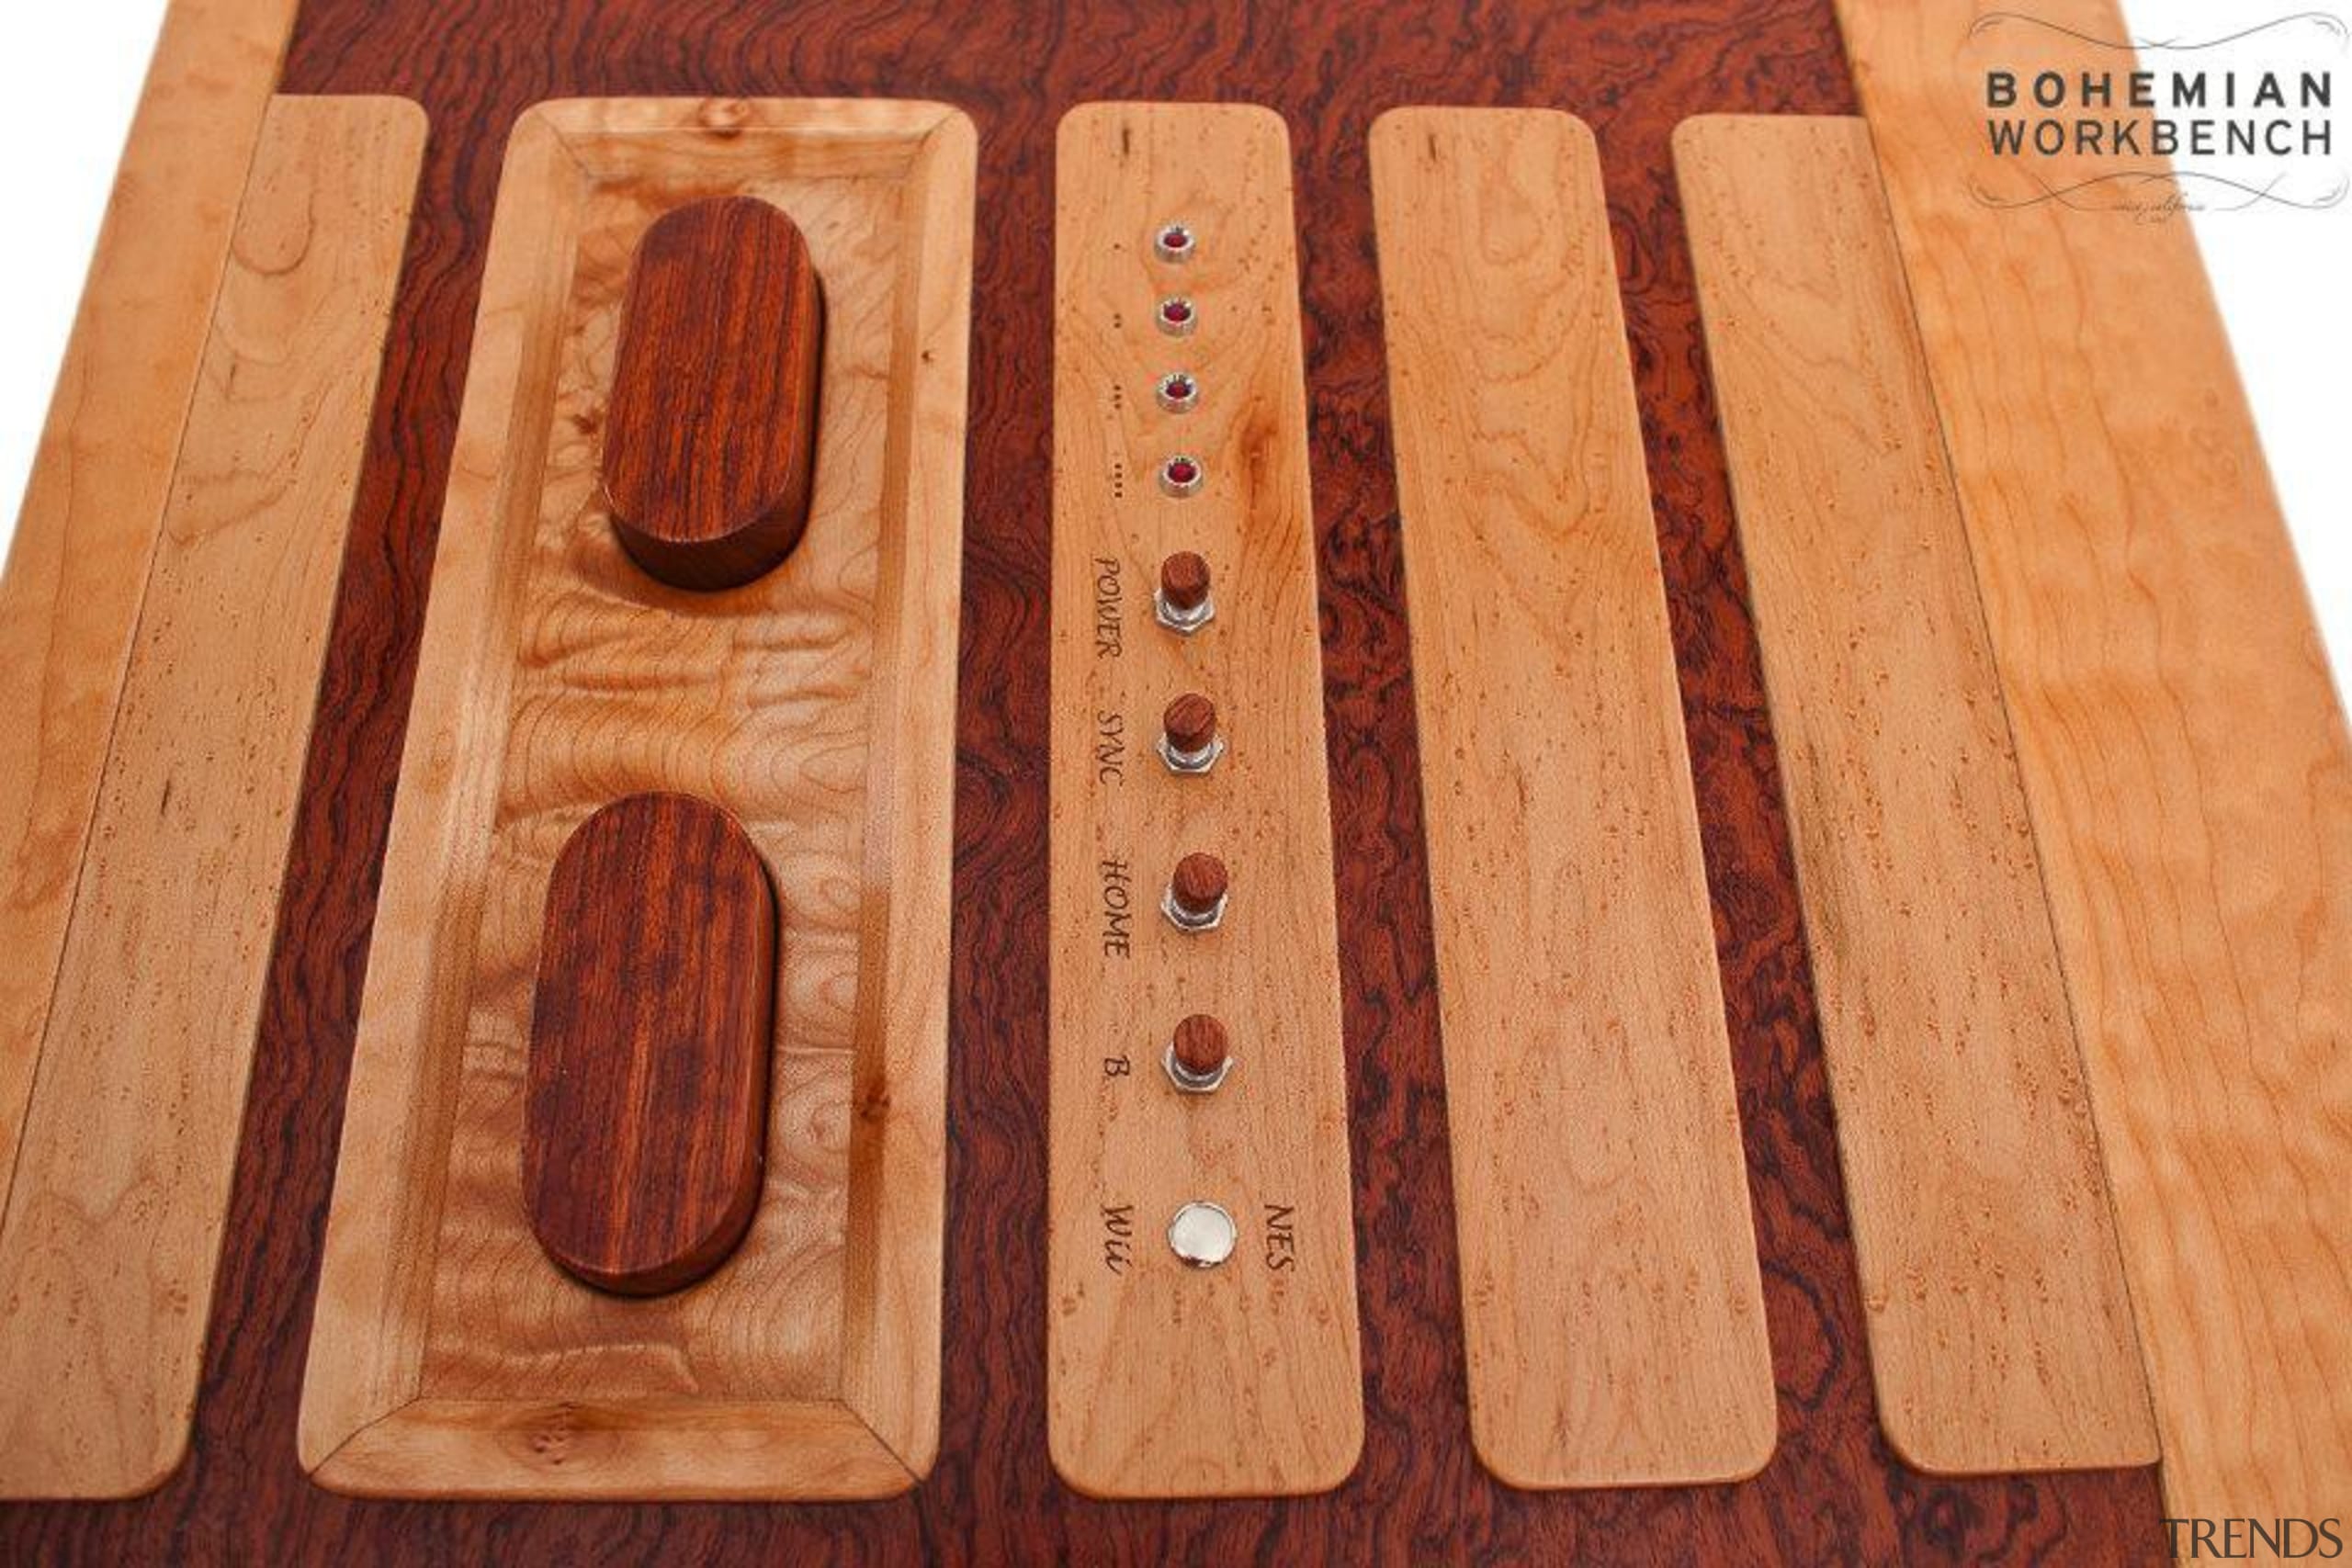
x=710, y=436
x=646, y=1108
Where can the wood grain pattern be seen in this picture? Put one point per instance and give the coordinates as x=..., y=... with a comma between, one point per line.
x=679, y=1449
x=113, y=1225
x=2001, y=1332
x=80, y=559
x=812, y=706
x=1611, y=1303
x=2183, y=747
x=1167, y=1380
x=1833, y=1493
x=653, y=1017
x=713, y=424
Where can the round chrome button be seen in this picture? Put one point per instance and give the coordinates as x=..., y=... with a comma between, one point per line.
x=1174, y=242
x=1176, y=316
x=1178, y=392
x=1203, y=1235
x=1180, y=476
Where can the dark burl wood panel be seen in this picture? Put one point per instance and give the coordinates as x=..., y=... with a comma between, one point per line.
x=653, y=1018
x=711, y=432
x=1832, y=1494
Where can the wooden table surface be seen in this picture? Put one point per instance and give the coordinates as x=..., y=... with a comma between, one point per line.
x=1832, y=1493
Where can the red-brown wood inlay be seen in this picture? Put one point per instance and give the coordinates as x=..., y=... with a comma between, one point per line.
x=647, y=1106
x=1190, y=721
x=710, y=436
x=1185, y=580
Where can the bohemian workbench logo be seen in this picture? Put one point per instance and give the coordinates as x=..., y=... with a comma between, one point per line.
x=2239, y=121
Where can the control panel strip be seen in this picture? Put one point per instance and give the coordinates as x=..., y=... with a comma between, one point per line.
x=1203, y=1320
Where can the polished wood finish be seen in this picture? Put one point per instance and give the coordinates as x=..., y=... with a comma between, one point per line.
x=2183, y=748
x=1201, y=1044
x=86, y=541
x=1185, y=580
x=1198, y=883
x=713, y=423
x=1169, y=1381
x=1189, y=722
x=112, y=1236
x=2001, y=1332
x=1613, y=1311
x=813, y=706
x=1833, y=1493
x=646, y=1113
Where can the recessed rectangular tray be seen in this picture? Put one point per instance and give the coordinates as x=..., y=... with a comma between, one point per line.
x=449, y=1356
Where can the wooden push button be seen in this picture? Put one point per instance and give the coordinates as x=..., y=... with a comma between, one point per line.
x=647, y=1100
x=711, y=433
x=1200, y=1056
x=1182, y=603
x=1190, y=721
x=1196, y=896
x=1189, y=742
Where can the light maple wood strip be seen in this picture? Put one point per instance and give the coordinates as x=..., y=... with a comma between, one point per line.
x=78, y=564
x=815, y=704
x=1166, y=1380
x=367, y=1325
x=112, y=1231
x=1611, y=1295
x=890, y=1373
x=2183, y=752
x=2000, y=1328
